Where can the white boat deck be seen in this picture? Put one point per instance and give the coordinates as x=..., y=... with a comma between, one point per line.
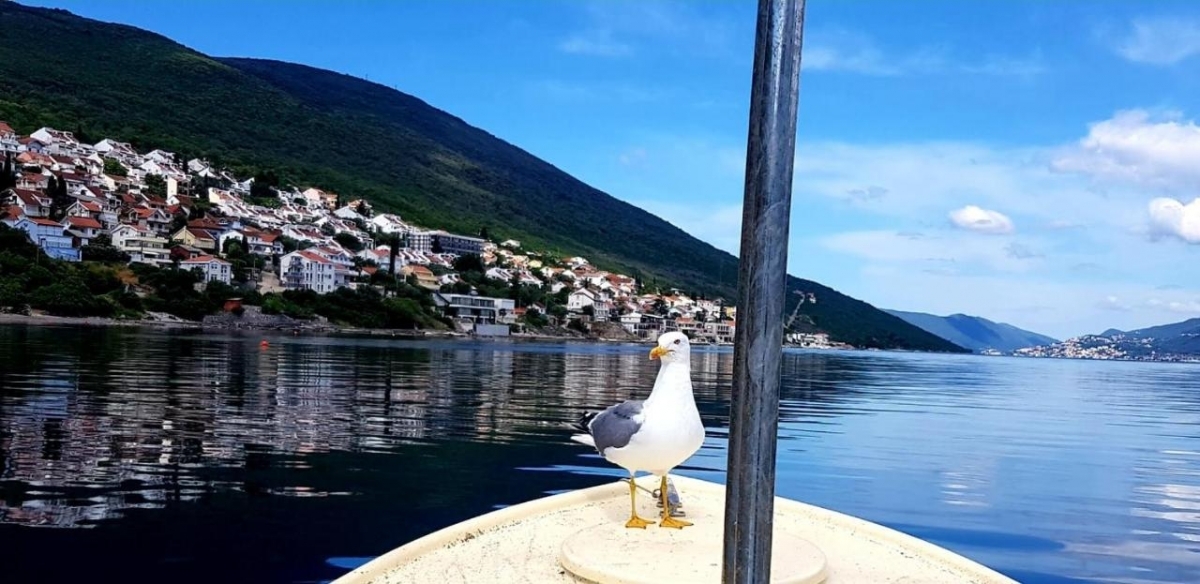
x=525, y=543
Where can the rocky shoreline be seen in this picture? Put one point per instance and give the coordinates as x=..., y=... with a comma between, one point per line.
x=253, y=320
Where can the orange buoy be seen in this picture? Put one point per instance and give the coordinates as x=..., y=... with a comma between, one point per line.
x=264, y=344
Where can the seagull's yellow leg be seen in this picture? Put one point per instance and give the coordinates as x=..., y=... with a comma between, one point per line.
x=667, y=520
x=634, y=520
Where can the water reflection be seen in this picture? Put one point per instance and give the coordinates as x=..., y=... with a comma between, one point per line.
x=166, y=450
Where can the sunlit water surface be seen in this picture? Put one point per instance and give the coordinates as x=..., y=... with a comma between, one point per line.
x=187, y=457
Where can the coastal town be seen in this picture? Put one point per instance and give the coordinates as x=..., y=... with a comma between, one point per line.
x=159, y=210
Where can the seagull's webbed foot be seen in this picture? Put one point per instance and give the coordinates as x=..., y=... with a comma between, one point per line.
x=638, y=522
x=667, y=520
x=634, y=520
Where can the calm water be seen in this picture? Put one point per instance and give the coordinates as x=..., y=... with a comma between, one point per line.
x=187, y=457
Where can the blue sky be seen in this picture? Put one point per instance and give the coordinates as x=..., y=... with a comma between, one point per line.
x=1030, y=162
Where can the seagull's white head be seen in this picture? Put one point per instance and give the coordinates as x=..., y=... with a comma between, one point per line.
x=672, y=347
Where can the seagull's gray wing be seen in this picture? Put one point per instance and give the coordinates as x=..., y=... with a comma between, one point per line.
x=615, y=426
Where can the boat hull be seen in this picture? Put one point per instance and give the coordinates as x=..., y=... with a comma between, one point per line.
x=525, y=543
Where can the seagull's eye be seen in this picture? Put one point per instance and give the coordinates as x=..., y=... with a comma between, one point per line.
x=676, y=341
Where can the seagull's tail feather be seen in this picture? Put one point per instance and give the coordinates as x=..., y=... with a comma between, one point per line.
x=582, y=425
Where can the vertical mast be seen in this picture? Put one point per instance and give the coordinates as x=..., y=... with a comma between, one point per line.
x=762, y=278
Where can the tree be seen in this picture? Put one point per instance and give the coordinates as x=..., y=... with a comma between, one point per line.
x=101, y=249
x=362, y=209
x=114, y=168
x=437, y=245
x=348, y=241
x=8, y=178
x=469, y=263
x=56, y=190
x=156, y=186
x=483, y=233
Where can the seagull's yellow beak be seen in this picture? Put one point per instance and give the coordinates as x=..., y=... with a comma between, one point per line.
x=657, y=352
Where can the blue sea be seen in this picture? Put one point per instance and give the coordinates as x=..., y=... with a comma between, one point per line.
x=182, y=456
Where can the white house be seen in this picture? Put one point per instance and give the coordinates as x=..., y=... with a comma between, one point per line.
x=389, y=224
x=161, y=156
x=56, y=141
x=349, y=213
x=477, y=308
x=213, y=269
x=32, y=203
x=499, y=274
x=49, y=236
x=120, y=151
x=142, y=245
x=85, y=229
x=580, y=299
x=305, y=270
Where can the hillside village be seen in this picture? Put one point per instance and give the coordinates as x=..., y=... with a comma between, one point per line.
x=156, y=209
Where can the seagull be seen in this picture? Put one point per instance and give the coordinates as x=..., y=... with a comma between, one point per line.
x=653, y=435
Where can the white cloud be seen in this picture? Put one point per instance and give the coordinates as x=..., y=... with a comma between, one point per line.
x=1113, y=303
x=1135, y=147
x=870, y=220
x=633, y=157
x=1160, y=40
x=1189, y=307
x=975, y=218
x=596, y=43
x=947, y=253
x=836, y=49
x=1171, y=217
x=617, y=29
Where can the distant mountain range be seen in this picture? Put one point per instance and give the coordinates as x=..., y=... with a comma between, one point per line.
x=975, y=333
x=1169, y=342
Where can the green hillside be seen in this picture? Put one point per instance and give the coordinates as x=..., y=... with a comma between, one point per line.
x=340, y=133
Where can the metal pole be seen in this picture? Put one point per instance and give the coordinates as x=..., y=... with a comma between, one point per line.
x=762, y=279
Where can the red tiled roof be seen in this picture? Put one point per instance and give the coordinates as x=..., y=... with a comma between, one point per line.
x=45, y=221
x=90, y=206
x=313, y=257
x=6, y=129
x=201, y=234
x=84, y=222
x=29, y=197
x=13, y=211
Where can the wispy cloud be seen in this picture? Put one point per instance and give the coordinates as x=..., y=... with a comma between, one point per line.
x=619, y=29
x=841, y=50
x=1159, y=40
x=597, y=43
